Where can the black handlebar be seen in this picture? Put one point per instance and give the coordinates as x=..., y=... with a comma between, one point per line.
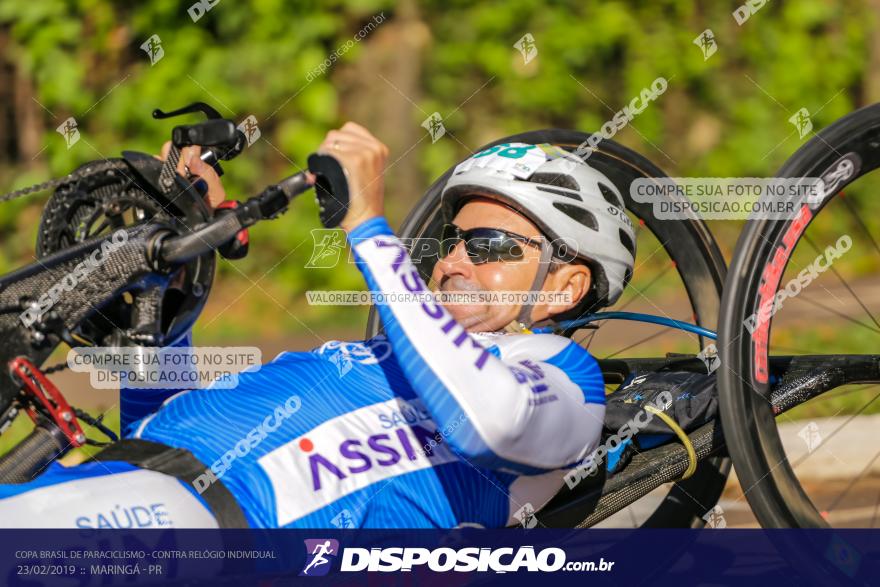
x=220, y=140
x=331, y=191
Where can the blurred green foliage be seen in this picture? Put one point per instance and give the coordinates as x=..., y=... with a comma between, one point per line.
x=727, y=115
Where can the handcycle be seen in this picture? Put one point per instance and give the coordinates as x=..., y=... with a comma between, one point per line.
x=152, y=289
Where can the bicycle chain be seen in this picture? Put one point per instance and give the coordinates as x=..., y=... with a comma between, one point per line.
x=80, y=174
x=74, y=176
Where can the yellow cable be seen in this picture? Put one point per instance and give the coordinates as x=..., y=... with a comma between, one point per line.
x=80, y=339
x=682, y=435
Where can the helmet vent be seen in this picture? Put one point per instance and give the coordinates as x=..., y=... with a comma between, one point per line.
x=555, y=179
x=578, y=214
x=572, y=195
x=627, y=242
x=610, y=196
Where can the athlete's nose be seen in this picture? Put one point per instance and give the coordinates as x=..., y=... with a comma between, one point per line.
x=457, y=262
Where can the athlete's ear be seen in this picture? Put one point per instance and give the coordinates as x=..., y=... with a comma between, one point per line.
x=572, y=280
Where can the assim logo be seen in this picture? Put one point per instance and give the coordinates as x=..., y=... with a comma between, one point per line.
x=320, y=553
x=353, y=451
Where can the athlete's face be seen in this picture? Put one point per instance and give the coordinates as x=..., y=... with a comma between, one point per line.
x=457, y=272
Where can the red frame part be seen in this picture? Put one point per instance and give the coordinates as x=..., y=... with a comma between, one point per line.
x=37, y=386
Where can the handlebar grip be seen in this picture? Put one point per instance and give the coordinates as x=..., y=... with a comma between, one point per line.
x=218, y=132
x=31, y=455
x=331, y=188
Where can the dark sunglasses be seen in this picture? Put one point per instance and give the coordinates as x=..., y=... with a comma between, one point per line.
x=486, y=245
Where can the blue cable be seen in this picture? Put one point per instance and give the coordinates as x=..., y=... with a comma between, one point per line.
x=636, y=316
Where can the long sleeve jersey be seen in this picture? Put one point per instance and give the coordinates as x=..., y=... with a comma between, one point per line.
x=427, y=425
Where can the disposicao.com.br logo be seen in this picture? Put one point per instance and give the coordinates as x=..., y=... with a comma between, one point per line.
x=320, y=553
x=444, y=559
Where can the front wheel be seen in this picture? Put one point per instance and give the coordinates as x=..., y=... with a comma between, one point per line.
x=801, y=291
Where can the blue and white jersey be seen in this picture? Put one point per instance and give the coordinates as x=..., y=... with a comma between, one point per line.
x=426, y=426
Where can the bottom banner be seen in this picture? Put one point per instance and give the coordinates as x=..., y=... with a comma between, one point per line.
x=448, y=558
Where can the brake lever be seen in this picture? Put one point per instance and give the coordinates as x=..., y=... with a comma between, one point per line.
x=220, y=138
x=205, y=109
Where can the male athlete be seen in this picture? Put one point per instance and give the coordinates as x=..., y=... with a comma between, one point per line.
x=457, y=415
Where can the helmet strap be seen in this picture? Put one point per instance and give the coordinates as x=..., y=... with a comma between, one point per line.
x=525, y=313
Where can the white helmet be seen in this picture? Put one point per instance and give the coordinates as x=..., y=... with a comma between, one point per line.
x=567, y=199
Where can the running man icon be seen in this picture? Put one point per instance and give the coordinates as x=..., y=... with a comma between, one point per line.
x=318, y=551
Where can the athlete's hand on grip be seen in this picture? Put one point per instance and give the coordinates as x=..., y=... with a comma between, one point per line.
x=190, y=161
x=363, y=158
